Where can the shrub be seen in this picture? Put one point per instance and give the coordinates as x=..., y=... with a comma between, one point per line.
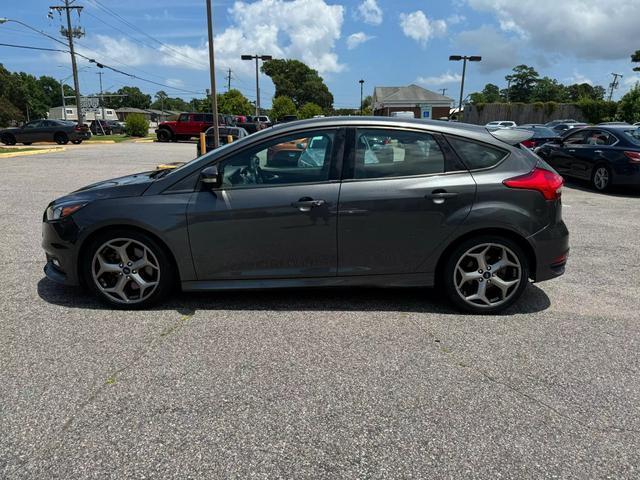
x=137, y=125
x=310, y=110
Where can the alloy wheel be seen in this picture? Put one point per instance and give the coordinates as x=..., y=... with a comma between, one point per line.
x=125, y=270
x=601, y=178
x=487, y=275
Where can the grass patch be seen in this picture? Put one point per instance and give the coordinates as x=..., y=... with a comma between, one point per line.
x=116, y=138
x=13, y=150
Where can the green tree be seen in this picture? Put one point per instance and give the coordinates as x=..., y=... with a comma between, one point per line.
x=629, y=105
x=297, y=81
x=477, y=97
x=162, y=100
x=133, y=98
x=310, y=110
x=579, y=91
x=548, y=90
x=234, y=102
x=282, y=106
x=491, y=93
x=9, y=112
x=522, y=81
x=635, y=58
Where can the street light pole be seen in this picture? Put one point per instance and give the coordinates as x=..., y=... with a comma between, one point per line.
x=212, y=73
x=361, y=82
x=464, y=58
x=256, y=58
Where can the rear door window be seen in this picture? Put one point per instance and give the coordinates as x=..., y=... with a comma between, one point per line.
x=198, y=118
x=477, y=155
x=384, y=153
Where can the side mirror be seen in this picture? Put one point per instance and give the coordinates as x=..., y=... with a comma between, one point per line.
x=211, y=177
x=301, y=146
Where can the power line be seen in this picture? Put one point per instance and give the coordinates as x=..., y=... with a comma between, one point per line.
x=102, y=65
x=137, y=29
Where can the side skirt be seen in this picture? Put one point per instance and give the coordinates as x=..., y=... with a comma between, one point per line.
x=405, y=280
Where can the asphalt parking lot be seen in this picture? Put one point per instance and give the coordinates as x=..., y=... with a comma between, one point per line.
x=352, y=383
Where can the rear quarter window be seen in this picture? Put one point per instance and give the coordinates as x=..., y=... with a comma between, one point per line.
x=477, y=155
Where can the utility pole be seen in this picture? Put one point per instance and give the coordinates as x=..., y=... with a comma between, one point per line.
x=229, y=80
x=361, y=82
x=212, y=74
x=70, y=33
x=614, y=85
x=257, y=58
x=508, y=87
x=101, y=94
x=64, y=102
x=444, y=91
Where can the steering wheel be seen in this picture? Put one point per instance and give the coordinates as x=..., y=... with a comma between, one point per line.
x=252, y=174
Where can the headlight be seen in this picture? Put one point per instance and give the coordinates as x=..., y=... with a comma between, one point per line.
x=56, y=212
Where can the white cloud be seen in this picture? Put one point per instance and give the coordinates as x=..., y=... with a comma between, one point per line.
x=417, y=26
x=443, y=79
x=370, y=12
x=589, y=29
x=455, y=19
x=631, y=80
x=356, y=39
x=306, y=30
x=175, y=82
x=578, y=78
x=497, y=51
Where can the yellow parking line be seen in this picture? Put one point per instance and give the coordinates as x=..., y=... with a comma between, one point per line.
x=19, y=153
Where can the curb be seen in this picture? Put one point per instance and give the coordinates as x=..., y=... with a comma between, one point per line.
x=145, y=140
x=31, y=152
x=97, y=142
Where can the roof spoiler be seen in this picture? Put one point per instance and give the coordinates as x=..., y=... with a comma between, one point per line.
x=512, y=136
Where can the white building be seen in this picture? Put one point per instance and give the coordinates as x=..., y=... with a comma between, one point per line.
x=69, y=113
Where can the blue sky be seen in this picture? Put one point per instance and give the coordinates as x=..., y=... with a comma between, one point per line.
x=384, y=42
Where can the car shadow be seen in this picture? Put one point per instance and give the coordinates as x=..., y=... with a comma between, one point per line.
x=350, y=299
x=614, y=191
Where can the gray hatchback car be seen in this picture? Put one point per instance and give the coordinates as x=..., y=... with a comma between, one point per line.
x=325, y=202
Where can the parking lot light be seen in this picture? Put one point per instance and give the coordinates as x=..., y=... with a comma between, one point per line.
x=464, y=58
x=256, y=57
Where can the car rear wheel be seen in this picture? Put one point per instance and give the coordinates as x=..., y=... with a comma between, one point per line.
x=164, y=135
x=486, y=274
x=8, y=139
x=61, y=138
x=127, y=270
x=601, y=178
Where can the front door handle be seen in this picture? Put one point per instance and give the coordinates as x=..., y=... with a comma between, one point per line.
x=439, y=196
x=572, y=150
x=597, y=151
x=305, y=204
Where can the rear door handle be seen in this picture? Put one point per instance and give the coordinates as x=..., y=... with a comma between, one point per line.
x=439, y=196
x=305, y=204
x=597, y=151
x=572, y=150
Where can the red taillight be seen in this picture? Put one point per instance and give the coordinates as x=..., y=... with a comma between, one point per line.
x=529, y=143
x=549, y=184
x=633, y=156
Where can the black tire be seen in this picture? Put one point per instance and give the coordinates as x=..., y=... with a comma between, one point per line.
x=27, y=143
x=164, y=135
x=448, y=281
x=8, y=139
x=76, y=142
x=601, y=178
x=61, y=138
x=167, y=274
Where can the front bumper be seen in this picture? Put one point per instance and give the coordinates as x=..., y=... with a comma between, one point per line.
x=551, y=246
x=59, y=244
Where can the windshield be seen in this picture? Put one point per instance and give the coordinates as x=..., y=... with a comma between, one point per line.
x=633, y=135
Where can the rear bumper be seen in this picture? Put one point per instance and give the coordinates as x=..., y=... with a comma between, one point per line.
x=628, y=174
x=551, y=246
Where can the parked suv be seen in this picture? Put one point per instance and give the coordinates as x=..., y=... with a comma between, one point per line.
x=367, y=201
x=59, y=131
x=188, y=125
x=100, y=127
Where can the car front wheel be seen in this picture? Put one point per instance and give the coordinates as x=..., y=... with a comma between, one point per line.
x=164, y=135
x=127, y=270
x=486, y=274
